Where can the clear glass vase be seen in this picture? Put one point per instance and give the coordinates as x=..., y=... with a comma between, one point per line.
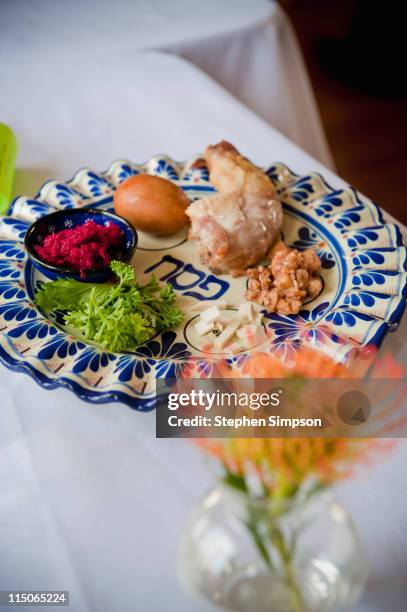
x=253, y=556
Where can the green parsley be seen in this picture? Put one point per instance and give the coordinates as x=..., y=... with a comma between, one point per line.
x=119, y=317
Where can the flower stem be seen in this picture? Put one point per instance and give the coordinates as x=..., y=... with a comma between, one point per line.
x=285, y=554
x=258, y=540
x=271, y=533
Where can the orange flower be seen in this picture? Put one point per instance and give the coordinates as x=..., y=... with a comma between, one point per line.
x=283, y=465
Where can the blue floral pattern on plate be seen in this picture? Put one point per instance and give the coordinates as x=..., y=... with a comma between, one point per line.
x=363, y=269
x=308, y=239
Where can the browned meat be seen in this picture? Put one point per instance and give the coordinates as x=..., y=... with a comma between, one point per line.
x=235, y=228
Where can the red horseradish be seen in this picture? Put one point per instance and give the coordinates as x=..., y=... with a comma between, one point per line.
x=85, y=247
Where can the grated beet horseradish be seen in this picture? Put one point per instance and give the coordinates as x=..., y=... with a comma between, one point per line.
x=85, y=247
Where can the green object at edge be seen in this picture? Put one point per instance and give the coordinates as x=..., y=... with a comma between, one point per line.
x=8, y=154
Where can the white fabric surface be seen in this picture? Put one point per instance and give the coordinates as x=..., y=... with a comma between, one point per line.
x=90, y=501
x=248, y=47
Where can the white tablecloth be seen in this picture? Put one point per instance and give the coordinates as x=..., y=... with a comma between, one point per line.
x=248, y=47
x=90, y=501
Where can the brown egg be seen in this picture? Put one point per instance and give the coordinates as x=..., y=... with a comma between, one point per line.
x=152, y=204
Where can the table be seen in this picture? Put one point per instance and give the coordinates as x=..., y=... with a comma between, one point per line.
x=90, y=500
x=248, y=47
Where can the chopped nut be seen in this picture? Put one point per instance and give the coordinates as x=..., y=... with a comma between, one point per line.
x=287, y=281
x=310, y=261
x=302, y=277
x=315, y=286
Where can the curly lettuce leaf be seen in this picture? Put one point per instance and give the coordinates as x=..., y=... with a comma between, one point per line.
x=119, y=317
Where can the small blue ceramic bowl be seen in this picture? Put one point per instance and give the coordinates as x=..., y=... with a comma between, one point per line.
x=68, y=219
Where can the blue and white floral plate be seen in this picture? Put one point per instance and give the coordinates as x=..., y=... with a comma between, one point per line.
x=363, y=269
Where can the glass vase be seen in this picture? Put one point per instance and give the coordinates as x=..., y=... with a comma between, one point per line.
x=252, y=555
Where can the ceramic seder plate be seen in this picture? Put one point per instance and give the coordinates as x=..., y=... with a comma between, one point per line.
x=363, y=270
